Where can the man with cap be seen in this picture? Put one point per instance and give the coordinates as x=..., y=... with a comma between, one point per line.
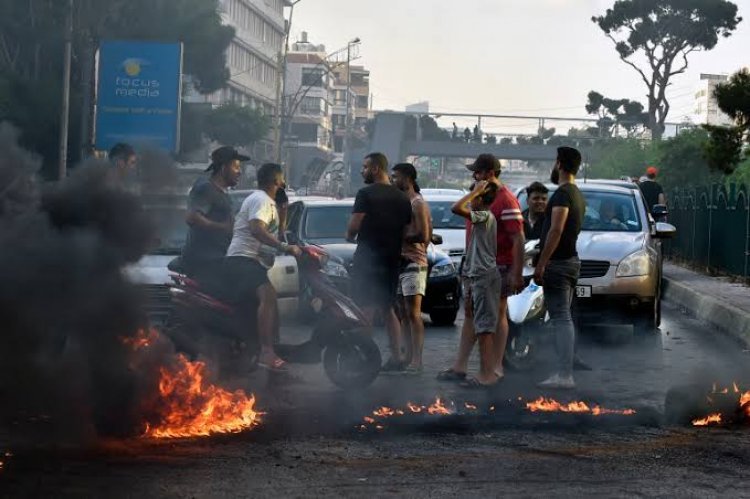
x=210, y=215
x=651, y=189
x=510, y=247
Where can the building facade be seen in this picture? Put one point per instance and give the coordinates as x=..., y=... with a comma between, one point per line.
x=706, y=110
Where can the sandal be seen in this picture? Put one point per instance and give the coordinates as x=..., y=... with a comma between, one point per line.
x=275, y=366
x=393, y=366
x=451, y=375
x=475, y=384
x=414, y=370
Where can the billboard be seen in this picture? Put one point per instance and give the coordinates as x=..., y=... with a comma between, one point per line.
x=139, y=89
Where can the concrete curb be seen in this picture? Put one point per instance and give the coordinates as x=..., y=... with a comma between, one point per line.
x=726, y=317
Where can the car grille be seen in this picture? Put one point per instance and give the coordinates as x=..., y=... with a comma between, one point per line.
x=593, y=268
x=456, y=252
x=158, y=303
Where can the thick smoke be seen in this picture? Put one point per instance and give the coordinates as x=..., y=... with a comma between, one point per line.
x=64, y=301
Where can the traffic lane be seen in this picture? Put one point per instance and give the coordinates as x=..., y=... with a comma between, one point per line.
x=629, y=370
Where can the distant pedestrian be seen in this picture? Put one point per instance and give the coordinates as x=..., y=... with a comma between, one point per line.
x=412, y=281
x=454, y=134
x=380, y=216
x=467, y=135
x=651, y=189
x=124, y=161
x=558, y=267
x=482, y=277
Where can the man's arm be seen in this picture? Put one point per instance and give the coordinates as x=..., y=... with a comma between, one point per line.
x=461, y=207
x=559, y=217
x=355, y=224
x=516, y=271
x=662, y=198
x=197, y=219
x=422, y=233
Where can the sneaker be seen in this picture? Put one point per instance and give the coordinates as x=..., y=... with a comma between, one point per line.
x=558, y=382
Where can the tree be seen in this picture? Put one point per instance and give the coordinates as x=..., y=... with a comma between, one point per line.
x=490, y=139
x=31, y=40
x=666, y=32
x=238, y=126
x=724, y=149
x=506, y=141
x=614, y=113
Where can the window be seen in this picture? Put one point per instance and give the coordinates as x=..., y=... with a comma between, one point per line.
x=444, y=218
x=326, y=224
x=363, y=102
x=312, y=77
x=314, y=106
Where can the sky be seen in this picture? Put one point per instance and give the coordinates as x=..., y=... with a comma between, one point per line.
x=517, y=57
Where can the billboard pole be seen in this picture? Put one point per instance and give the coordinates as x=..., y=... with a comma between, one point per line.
x=65, y=107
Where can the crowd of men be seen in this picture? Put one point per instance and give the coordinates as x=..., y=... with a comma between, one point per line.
x=391, y=225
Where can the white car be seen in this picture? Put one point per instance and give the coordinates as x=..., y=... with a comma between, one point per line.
x=168, y=213
x=451, y=227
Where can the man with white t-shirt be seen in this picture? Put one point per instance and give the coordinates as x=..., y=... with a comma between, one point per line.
x=251, y=254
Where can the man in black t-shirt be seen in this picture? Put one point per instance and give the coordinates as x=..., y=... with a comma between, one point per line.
x=534, y=216
x=210, y=215
x=652, y=191
x=558, y=266
x=378, y=222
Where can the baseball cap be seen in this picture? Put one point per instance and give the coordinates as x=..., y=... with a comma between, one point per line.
x=652, y=170
x=224, y=155
x=485, y=162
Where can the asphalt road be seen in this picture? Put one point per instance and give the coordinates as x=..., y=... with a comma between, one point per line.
x=309, y=443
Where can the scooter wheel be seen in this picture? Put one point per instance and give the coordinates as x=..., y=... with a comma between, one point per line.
x=520, y=352
x=352, y=362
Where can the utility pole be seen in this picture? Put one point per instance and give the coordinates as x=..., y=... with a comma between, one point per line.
x=347, y=131
x=62, y=170
x=281, y=88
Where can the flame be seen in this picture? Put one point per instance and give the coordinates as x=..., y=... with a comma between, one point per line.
x=414, y=408
x=192, y=407
x=142, y=339
x=744, y=399
x=438, y=408
x=384, y=412
x=550, y=405
x=469, y=406
x=736, y=388
x=708, y=420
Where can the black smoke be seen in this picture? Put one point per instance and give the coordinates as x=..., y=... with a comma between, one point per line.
x=64, y=302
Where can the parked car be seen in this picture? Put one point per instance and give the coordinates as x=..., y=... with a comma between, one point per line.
x=620, y=247
x=323, y=222
x=451, y=227
x=168, y=213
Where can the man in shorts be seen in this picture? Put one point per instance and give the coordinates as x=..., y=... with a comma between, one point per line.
x=412, y=282
x=377, y=224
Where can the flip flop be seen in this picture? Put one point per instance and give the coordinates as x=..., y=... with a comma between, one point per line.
x=475, y=384
x=451, y=375
x=277, y=366
x=414, y=371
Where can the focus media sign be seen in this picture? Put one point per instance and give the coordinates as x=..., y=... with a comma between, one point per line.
x=138, y=94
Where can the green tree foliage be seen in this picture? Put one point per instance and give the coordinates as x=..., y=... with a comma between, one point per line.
x=238, y=126
x=665, y=33
x=429, y=127
x=681, y=160
x=612, y=159
x=612, y=113
x=724, y=150
x=31, y=41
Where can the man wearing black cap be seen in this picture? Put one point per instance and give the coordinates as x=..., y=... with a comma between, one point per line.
x=558, y=266
x=210, y=213
x=510, y=242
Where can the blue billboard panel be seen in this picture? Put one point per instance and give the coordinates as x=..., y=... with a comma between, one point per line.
x=138, y=94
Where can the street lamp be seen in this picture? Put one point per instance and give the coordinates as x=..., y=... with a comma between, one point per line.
x=347, y=129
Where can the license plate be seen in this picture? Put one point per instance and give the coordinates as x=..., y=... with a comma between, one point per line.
x=583, y=291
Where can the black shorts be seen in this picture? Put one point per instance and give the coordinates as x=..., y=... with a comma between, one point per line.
x=241, y=278
x=375, y=286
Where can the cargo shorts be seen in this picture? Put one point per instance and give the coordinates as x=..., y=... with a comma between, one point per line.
x=485, y=299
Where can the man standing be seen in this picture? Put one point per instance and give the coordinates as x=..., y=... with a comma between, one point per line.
x=210, y=215
x=651, y=189
x=558, y=267
x=412, y=282
x=379, y=218
x=533, y=217
x=252, y=253
x=509, y=260
x=124, y=161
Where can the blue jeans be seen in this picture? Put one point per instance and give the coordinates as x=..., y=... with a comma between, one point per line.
x=560, y=279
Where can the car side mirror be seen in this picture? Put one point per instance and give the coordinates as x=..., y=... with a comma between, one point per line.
x=660, y=210
x=437, y=239
x=665, y=230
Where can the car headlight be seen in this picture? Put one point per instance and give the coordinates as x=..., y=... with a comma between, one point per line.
x=335, y=269
x=443, y=269
x=636, y=264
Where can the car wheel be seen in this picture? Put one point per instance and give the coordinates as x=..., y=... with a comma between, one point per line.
x=649, y=318
x=443, y=317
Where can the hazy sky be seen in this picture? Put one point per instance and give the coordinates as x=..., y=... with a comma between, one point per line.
x=497, y=56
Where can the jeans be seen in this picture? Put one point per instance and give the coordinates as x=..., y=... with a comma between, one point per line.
x=560, y=279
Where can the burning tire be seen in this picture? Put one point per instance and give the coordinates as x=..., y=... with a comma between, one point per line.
x=353, y=362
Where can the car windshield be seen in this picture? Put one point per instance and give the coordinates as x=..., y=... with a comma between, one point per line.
x=326, y=224
x=605, y=211
x=443, y=217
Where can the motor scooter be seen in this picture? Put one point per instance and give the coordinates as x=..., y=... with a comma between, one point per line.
x=527, y=316
x=201, y=322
